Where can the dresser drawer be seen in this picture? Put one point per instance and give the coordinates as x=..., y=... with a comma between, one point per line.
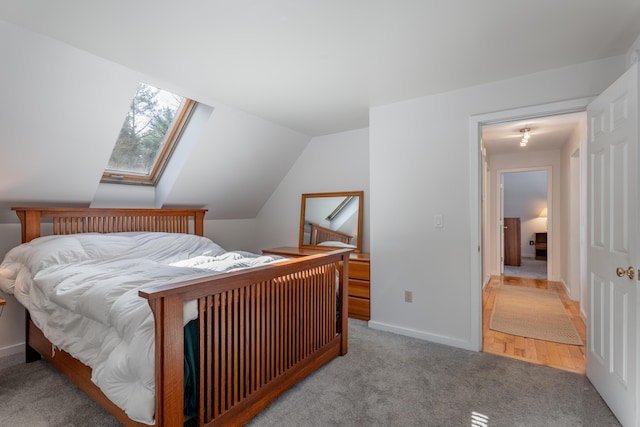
x=359, y=308
x=359, y=270
x=359, y=288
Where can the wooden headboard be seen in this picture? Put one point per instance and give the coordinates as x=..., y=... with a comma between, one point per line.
x=109, y=220
x=321, y=234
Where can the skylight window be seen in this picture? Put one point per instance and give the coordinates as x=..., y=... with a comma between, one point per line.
x=149, y=133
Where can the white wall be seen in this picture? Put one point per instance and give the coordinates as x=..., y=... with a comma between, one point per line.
x=571, y=218
x=233, y=234
x=60, y=115
x=337, y=162
x=420, y=157
x=12, y=320
x=484, y=212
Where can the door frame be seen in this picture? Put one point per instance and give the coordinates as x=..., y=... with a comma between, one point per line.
x=500, y=211
x=475, y=192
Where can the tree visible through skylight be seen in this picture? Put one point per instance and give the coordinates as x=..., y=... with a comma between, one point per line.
x=152, y=123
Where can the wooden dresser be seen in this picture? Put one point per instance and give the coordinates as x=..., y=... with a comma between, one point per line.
x=541, y=246
x=359, y=282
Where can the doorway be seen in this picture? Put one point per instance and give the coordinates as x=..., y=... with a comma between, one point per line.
x=610, y=181
x=524, y=205
x=526, y=185
x=481, y=206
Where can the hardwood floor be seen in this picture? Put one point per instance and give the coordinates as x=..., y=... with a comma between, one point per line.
x=561, y=356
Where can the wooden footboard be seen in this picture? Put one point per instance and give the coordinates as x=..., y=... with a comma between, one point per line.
x=260, y=330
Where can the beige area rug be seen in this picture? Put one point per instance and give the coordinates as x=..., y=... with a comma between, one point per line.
x=534, y=313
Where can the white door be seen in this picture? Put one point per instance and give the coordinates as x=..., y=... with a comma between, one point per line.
x=613, y=241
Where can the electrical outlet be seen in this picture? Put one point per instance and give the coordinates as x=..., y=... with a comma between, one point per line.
x=408, y=296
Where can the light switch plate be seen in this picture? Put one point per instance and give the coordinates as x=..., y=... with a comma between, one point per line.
x=438, y=221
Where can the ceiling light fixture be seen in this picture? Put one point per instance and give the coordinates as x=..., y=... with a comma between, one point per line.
x=526, y=134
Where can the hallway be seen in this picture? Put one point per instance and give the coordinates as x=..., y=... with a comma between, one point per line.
x=561, y=356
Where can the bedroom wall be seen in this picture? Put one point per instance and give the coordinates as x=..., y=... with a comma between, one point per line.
x=420, y=153
x=60, y=115
x=572, y=217
x=12, y=319
x=233, y=234
x=337, y=162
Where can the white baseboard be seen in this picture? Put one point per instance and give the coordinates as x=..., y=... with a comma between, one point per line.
x=12, y=349
x=439, y=339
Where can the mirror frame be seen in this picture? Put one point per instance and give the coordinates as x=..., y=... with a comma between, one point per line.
x=306, y=196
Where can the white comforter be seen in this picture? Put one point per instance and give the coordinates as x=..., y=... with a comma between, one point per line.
x=82, y=292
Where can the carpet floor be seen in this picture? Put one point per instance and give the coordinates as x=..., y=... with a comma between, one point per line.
x=385, y=379
x=529, y=267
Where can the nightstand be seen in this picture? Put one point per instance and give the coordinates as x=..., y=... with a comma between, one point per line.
x=359, y=283
x=541, y=246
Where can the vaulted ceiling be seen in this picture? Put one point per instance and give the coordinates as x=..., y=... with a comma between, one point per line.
x=317, y=66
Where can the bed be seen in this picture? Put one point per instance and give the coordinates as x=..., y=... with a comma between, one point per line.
x=258, y=330
x=320, y=235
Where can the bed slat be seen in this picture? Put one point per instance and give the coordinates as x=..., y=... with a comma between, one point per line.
x=236, y=362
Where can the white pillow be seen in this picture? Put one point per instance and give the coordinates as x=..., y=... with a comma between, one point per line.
x=336, y=244
x=46, y=251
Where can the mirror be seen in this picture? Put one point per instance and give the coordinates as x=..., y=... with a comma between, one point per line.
x=330, y=220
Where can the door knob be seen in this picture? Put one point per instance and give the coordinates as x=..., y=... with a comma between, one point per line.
x=622, y=272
